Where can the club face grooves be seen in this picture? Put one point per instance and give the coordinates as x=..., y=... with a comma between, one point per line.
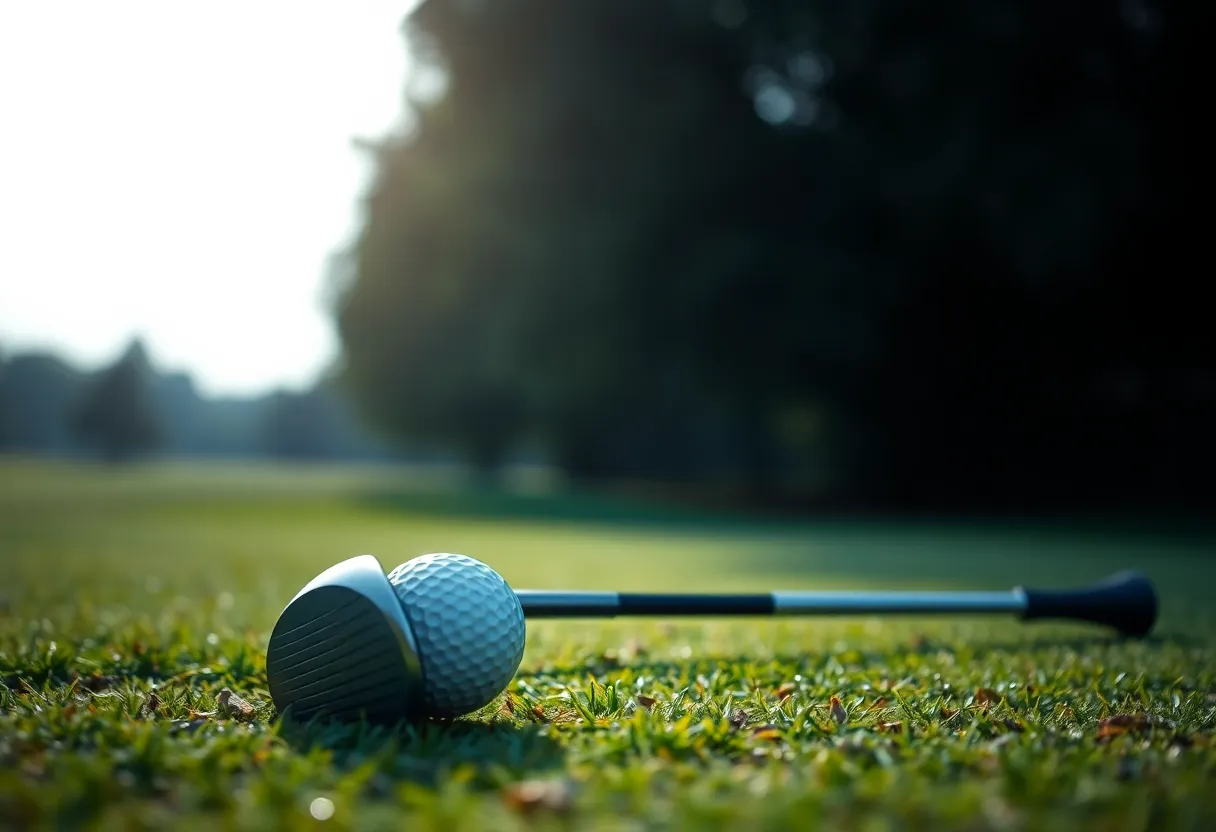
x=342, y=649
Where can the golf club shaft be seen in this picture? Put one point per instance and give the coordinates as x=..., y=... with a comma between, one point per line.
x=540, y=604
x=1125, y=601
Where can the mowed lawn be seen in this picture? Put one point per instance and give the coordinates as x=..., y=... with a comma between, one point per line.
x=129, y=599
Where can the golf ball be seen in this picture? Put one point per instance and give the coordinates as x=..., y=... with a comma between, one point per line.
x=468, y=626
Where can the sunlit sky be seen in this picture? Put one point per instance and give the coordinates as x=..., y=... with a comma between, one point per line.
x=183, y=171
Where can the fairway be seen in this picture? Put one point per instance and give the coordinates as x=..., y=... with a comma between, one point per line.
x=118, y=583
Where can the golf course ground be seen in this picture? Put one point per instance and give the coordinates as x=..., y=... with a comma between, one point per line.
x=130, y=597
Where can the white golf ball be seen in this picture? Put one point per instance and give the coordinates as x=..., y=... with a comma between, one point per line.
x=468, y=626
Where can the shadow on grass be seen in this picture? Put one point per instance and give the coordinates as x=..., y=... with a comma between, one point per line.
x=650, y=504
x=1078, y=644
x=980, y=650
x=899, y=551
x=566, y=506
x=429, y=752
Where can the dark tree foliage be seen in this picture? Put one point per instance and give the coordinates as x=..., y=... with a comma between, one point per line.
x=116, y=416
x=41, y=398
x=883, y=252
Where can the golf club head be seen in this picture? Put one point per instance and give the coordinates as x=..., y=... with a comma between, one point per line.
x=343, y=649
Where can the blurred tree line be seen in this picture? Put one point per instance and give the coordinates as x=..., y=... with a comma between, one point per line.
x=876, y=252
x=129, y=410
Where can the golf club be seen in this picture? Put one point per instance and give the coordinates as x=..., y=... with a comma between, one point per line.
x=443, y=634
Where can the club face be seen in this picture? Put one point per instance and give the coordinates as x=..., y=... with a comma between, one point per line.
x=343, y=649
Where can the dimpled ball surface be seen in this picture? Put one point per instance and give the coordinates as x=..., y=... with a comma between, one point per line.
x=468, y=626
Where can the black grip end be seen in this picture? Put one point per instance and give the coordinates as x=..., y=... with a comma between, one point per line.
x=1125, y=601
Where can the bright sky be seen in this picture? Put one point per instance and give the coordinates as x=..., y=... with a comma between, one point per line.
x=183, y=171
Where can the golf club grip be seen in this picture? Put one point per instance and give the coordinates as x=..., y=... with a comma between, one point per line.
x=1125, y=602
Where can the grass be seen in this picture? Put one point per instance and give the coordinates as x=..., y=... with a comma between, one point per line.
x=129, y=600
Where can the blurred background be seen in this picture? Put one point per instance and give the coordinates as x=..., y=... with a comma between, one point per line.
x=859, y=256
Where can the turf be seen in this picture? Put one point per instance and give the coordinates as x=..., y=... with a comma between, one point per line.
x=130, y=599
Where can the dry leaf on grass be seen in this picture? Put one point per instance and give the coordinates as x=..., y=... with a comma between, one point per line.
x=880, y=702
x=786, y=691
x=767, y=732
x=891, y=727
x=838, y=712
x=1130, y=722
x=986, y=697
x=96, y=683
x=1120, y=724
x=646, y=702
x=232, y=705
x=739, y=717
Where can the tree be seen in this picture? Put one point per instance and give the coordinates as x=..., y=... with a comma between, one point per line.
x=5, y=430
x=116, y=416
x=37, y=392
x=686, y=239
x=300, y=425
